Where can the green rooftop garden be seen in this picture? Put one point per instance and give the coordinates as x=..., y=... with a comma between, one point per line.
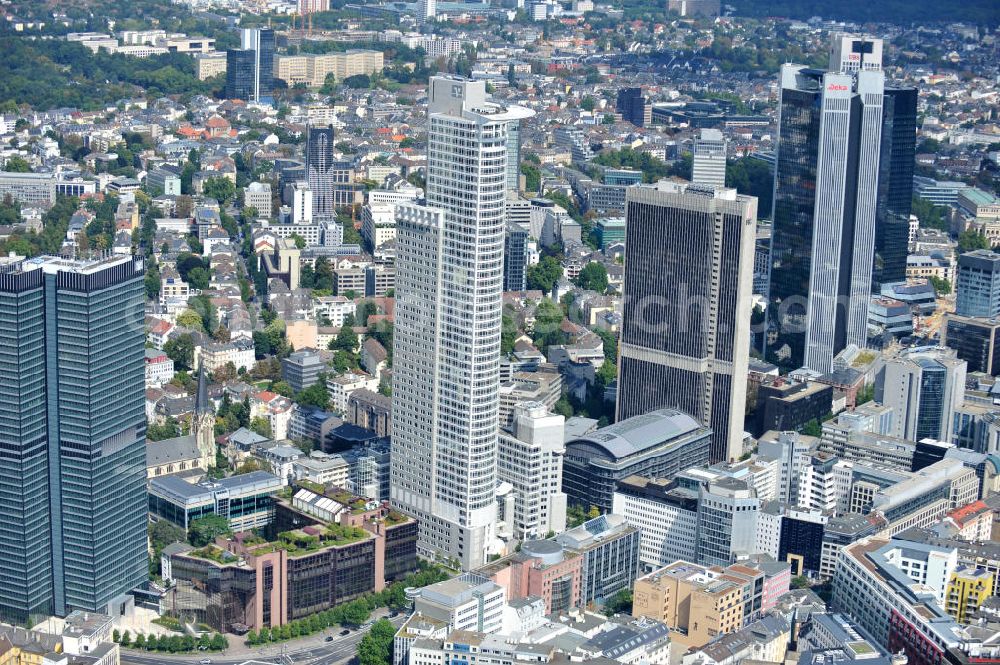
x=213, y=553
x=297, y=542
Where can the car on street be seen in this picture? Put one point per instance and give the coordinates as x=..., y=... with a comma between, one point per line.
x=346, y=631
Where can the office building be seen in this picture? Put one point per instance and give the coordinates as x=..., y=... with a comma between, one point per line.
x=530, y=459
x=240, y=74
x=378, y=224
x=468, y=602
x=709, y=8
x=727, y=521
x=306, y=563
x=73, y=471
x=709, y=159
x=634, y=107
x=261, y=43
x=609, y=547
x=688, y=287
x=977, y=286
x=894, y=589
x=700, y=603
x=784, y=405
x=312, y=69
x=514, y=155
x=923, y=387
x=449, y=282
x=974, y=340
x=610, y=231
x=658, y=444
x=665, y=513
x=515, y=258
x=895, y=185
x=825, y=201
x=302, y=369
x=320, y=168
x=257, y=195
x=244, y=500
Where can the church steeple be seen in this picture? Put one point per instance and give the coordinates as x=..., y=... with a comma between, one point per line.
x=203, y=423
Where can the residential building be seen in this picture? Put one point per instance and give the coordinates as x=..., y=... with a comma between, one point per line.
x=73, y=533
x=449, y=265
x=690, y=250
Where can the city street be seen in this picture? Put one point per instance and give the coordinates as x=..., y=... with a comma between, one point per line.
x=312, y=649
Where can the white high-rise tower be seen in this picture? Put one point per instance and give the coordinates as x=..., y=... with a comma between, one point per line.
x=708, y=166
x=449, y=282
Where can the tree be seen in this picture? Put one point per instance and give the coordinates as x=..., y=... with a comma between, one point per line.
x=930, y=216
x=190, y=319
x=205, y=529
x=126, y=639
x=587, y=103
x=358, y=81
x=16, y=164
x=941, y=286
x=219, y=643
x=532, y=177
x=799, y=582
x=140, y=641
x=163, y=533
x=355, y=614
x=544, y=274
x=168, y=430
x=315, y=395
x=548, y=321
x=970, y=240
x=346, y=340
x=593, y=277
x=508, y=333
x=812, y=428
x=181, y=350
x=375, y=648
x=116, y=636
x=620, y=603
x=261, y=426
x=220, y=188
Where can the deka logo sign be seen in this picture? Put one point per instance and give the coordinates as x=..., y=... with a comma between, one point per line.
x=836, y=87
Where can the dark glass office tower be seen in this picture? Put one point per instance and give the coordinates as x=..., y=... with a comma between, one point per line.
x=73, y=459
x=895, y=185
x=825, y=200
x=515, y=258
x=632, y=105
x=685, y=334
x=321, y=169
x=240, y=70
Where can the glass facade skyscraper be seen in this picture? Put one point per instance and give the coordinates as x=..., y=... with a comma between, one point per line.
x=825, y=200
x=250, y=69
x=72, y=441
x=895, y=185
x=320, y=168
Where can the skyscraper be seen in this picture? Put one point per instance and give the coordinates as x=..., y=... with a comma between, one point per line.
x=250, y=69
x=449, y=280
x=72, y=440
x=320, y=168
x=923, y=386
x=709, y=159
x=895, y=185
x=826, y=177
x=240, y=74
x=515, y=258
x=977, y=287
x=633, y=106
x=426, y=10
x=685, y=336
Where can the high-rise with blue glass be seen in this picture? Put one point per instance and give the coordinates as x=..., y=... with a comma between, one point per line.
x=72, y=435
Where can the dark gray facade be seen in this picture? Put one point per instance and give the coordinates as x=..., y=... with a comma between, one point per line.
x=72, y=446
